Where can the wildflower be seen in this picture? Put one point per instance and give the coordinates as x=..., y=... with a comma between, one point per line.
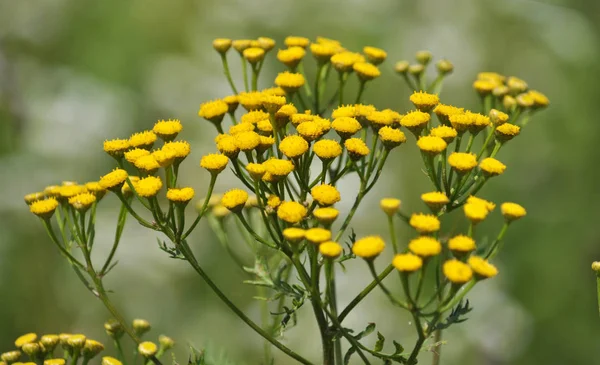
x=327, y=149
x=82, y=201
x=147, y=164
x=506, y=132
x=273, y=102
x=180, y=149
x=213, y=111
x=221, y=45
x=461, y=122
x=484, y=87
x=317, y=235
x=423, y=101
x=323, y=52
x=423, y=57
x=516, y=85
x=293, y=146
x=92, y=348
x=132, y=155
x=113, y=180
x=290, y=82
x=310, y=130
x=491, y=76
x=148, y=187
x=444, y=67
x=345, y=127
x=344, y=111
x=294, y=234
x=389, y=205
x=416, y=70
x=330, y=249
x=378, y=119
x=375, y=55
x=167, y=130
x=108, y=360
x=49, y=342
x=444, y=132
x=214, y=162
x=326, y=215
x=391, y=137
x=479, y=122
x=11, y=356
x=292, y=41
x=251, y=100
x=487, y=204
x=482, y=268
x=284, y=114
x=461, y=244
x=166, y=342
x=425, y=246
x=52, y=191
x=291, y=57
x=32, y=349
x=68, y=191
x=497, y=117
x=424, y=223
x=76, y=341
x=182, y=195
x=232, y=103
x=26, y=338
x=407, y=262
x=254, y=55
x=539, y=100
x=266, y=43
x=165, y=158
x=247, y=141
x=143, y=140
x=491, y=167
x=116, y=147
x=457, y=272
x=368, y=247
x=148, y=349
x=344, y=61
x=55, y=362
x=500, y=91
x=444, y=112
x=325, y=194
x=356, y=148
x=366, y=71
x=596, y=266
x=255, y=170
x=462, y=162
x=401, y=67
x=509, y=102
x=431, y=145
x=265, y=144
x=234, y=200
x=299, y=118
x=415, y=121
x=512, y=211
x=435, y=200
x=30, y=198
x=273, y=201
x=291, y=212
x=264, y=127
x=241, y=44
x=475, y=212
x=278, y=167
x=524, y=101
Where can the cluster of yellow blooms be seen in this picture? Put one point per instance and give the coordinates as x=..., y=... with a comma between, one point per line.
x=290, y=129
x=77, y=346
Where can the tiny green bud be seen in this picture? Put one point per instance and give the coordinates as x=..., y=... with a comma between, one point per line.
x=11, y=356
x=92, y=348
x=141, y=326
x=107, y=360
x=113, y=329
x=509, y=102
x=423, y=57
x=445, y=67
x=416, y=69
x=596, y=267
x=32, y=349
x=147, y=349
x=401, y=67
x=76, y=341
x=166, y=343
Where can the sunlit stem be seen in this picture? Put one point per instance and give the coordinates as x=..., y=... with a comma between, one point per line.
x=244, y=71
x=52, y=235
x=393, y=234
x=496, y=246
x=365, y=292
x=361, y=89
x=385, y=290
x=211, y=186
x=227, y=73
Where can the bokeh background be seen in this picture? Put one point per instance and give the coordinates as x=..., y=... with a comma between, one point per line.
x=76, y=72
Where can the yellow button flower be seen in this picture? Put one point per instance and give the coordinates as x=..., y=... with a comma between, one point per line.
x=425, y=246
x=92, y=348
x=221, y=45
x=431, y=145
x=30, y=198
x=487, y=204
x=165, y=158
x=423, y=101
x=213, y=111
x=512, y=211
x=234, y=200
x=266, y=43
x=457, y=272
x=444, y=132
x=461, y=244
x=539, y=100
x=435, y=200
x=391, y=137
x=375, y=55
x=167, y=130
x=55, y=362
x=254, y=55
x=299, y=118
x=83, y=201
x=182, y=195
x=390, y=205
x=506, y=132
x=356, y=148
x=108, y=360
x=278, y=167
x=484, y=87
x=345, y=127
x=148, y=349
x=444, y=112
x=68, y=191
x=147, y=164
x=344, y=61
x=232, y=103
x=26, y=338
x=265, y=144
x=326, y=215
x=181, y=149
x=241, y=127
x=330, y=249
x=497, y=117
x=482, y=268
x=461, y=122
x=344, y=111
x=415, y=121
x=273, y=102
x=366, y=71
x=475, y=212
x=251, y=100
x=368, y=247
x=325, y=194
x=293, y=41
x=424, y=223
x=310, y=131
x=148, y=187
x=126, y=189
x=116, y=147
x=379, y=119
x=290, y=82
x=273, y=201
x=293, y=146
x=291, y=212
x=227, y=146
x=407, y=262
x=284, y=115
x=255, y=170
x=291, y=57
x=327, y=149
x=214, y=162
x=462, y=162
x=247, y=141
x=132, y=155
x=479, y=122
x=323, y=52
x=401, y=67
x=143, y=140
x=317, y=235
x=491, y=167
x=294, y=234
x=113, y=180
x=254, y=116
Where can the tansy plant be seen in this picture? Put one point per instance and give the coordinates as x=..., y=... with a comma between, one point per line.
x=290, y=146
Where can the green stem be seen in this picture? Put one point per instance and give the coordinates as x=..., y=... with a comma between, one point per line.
x=497, y=244
x=386, y=291
x=120, y=353
x=54, y=239
x=244, y=71
x=118, y=232
x=393, y=234
x=486, y=142
x=211, y=186
x=361, y=89
x=437, y=351
x=331, y=293
x=227, y=73
x=317, y=88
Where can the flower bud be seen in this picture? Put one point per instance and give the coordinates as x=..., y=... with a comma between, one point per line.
x=32, y=349
x=222, y=45
x=108, y=360
x=445, y=67
x=141, y=326
x=416, y=69
x=92, y=348
x=596, y=267
x=113, y=329
x=76, y=341
x=423, y=57
x=401, y=67
x=166, y=343
x=11, y=356
x=49, y=342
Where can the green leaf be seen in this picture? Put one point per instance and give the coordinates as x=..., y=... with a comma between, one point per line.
x=380, y=342
x=348, y=355
x=399, y=348
x=367, y=331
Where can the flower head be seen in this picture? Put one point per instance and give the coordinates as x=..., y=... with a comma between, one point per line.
x=291, y=57
x=325, y=194
x=290, y=82
x=424, y=101
x=310, y=131
x=345, y=127
x=327, y=149
x=148, y=349
x=32, y=197
x=113, y=180
x=25, y=339
x=278, y=167
x=415, y=121
x=132, y=155
x=344, y=61
x=126, y=189
x=164, y=157
x=147, y=164
x=92, y=348
x=247, y=141
x=82, y=201
x=294, y=234
x=462, y=162
x=390, y=205
x=167, y=130
x=435, y=200
x=293, y=146
x=497, y=117
x=273, y=201
x=256, y=170
x=444, y=112
x=116, y=147
x=180, y=149
x=375, y=55
x=239, y=128
x=273, y=102
x=431, y=145
x=70, y=190
x=222, y=45
x=356, y=148
x=506, y=132
x=512, y=211
x=213, y=111
x=108, y=360
x=461, y=122
x=148, y=187
x=461, y=244
x=293, y=41
x=254, y=55
x=143, y=140
x=232, y=103
x=323, y=52
x=491, y=167
x=444, y=132
x=254, y=117
x=475, y=212
x=326, y=215
x=284, y=114
x=379, y=119
x=182, y=195
x=539, y=100
x=227, y=146
x=291, y=212
x=407, y=262
x=234, y=200
x=425, y=246
x=266, y=43
x=487, y=204
x=251, y=100
x=366, y=71
x=482, y=268
x=484, y=87
x=317, y=235
x=330, y=249
x=424, y=223
x=214, y=162
x=391, y=137
x=299, y=118
x=479, y=122
x=368, y=247
x=457, y=272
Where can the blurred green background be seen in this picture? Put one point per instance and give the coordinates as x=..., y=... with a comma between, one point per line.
x=76, y=72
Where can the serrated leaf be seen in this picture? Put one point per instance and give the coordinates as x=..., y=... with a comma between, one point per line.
x=399, y=348
x=367, y=331
x=380, y=342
